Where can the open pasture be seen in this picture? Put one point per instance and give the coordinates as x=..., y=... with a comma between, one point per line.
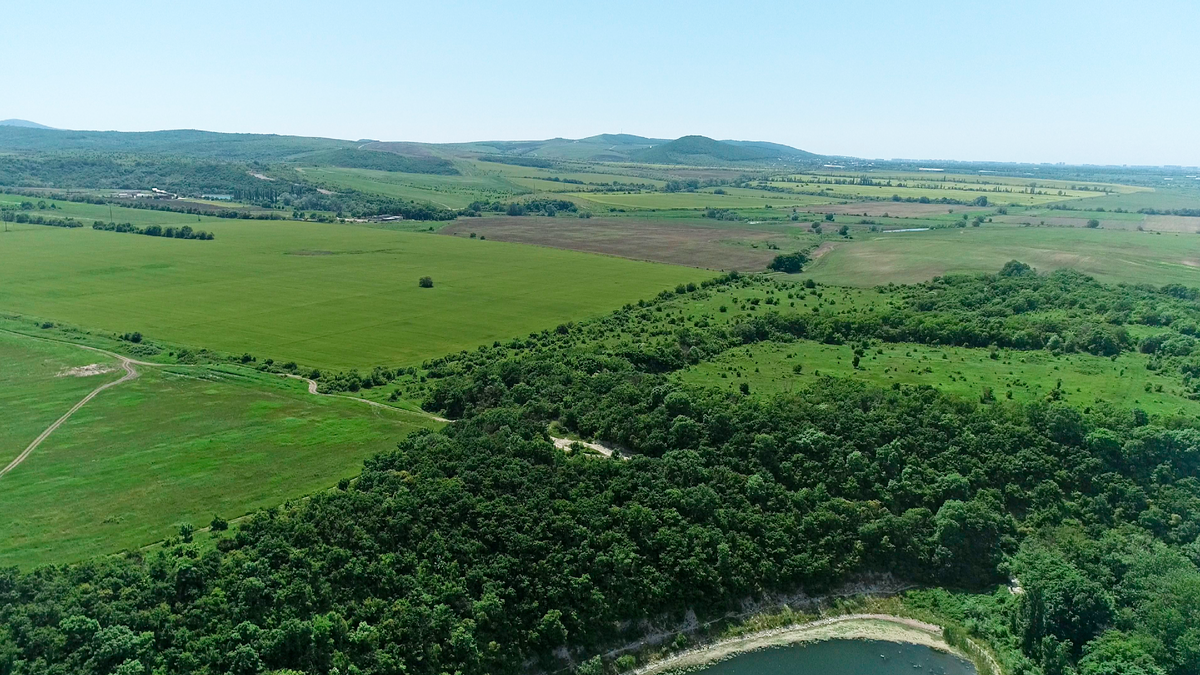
x=876, y=209
x=324, y=295
x=39, y=381
x=1109, y=255
x=733, y=199
x=769, y=367
x=1013, y=191
x=175, y=445
x=1165, y=198
x=725, y=246
x=88, y=213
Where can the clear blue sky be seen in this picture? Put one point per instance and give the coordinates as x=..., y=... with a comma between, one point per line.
x=1098, y=82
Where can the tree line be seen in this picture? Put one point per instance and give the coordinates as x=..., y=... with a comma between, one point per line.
x=185, y=232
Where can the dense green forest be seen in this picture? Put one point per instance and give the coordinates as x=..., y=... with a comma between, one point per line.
x=483, y=548
x=125, y=172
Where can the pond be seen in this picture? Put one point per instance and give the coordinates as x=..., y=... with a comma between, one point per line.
x=843, y=657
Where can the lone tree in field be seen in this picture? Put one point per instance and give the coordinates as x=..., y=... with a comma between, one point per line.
x=1093, y=223
x=425, y=282
x=790, y=263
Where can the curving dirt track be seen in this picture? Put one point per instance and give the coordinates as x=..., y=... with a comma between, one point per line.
x=130, y=374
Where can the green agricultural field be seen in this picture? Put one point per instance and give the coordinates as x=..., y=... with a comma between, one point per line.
x=177, y=444
x=965, y=188
x=88, y=213
x=1163, y=199
x=1109, y=255
x=769, y=368
x=325, y=295
x=744, y=199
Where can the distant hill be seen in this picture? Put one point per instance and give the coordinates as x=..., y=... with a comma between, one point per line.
x=26, y=137
x=601, y=148
x=704, y=150
x=26, y=124
x=631, y=148
x=778, y=149
x=183, y=142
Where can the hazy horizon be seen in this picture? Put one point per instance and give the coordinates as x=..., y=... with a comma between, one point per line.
x=519, y=140
x=1078, y=83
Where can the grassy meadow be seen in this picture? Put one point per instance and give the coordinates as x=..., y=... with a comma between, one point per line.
x=36, y=389
x=1109, y=255
x=770, y=367
x=325, y=295
x=175, y=445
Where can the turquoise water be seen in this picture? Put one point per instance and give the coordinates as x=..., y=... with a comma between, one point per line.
x=844, y=657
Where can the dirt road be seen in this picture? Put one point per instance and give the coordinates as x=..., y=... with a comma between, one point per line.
x=130, y=373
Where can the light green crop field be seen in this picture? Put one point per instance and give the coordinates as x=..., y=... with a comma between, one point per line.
x=1109, y=255
x=175, y=445
x=769, y=367
x=324, y=295
x=970, y=180
x=1167, y=198
x=88, y=213
x=744, y=199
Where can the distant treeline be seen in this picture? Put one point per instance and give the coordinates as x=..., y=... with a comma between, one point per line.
x=981, y=200
x=185, y=232
x=9, y=216
x=1194, y=213
x=531, y=207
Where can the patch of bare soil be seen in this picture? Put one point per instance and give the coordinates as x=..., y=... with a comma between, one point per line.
x=87, y=371
x=1186, y=224
x=695, y=245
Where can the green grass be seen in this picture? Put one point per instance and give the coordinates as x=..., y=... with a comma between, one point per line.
x=768, y=367
x=325, y=295
x=1164, y=198
x=1109, y=255
x=87, y=213
x=34, y=391
x=175, y=445
x=744, y=199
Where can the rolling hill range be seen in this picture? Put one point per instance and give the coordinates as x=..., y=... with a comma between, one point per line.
x=25, y=137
